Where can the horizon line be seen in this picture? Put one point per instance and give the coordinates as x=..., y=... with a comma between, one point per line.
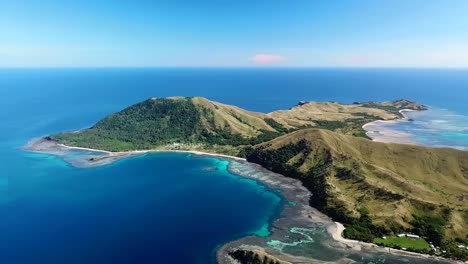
x=242, y=67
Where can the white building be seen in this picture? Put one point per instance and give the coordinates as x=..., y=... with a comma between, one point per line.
x=412, y=236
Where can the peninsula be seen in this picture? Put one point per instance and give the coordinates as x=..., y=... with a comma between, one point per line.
x=375, y=189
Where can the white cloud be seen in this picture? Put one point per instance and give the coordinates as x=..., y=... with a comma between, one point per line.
x=268, y=58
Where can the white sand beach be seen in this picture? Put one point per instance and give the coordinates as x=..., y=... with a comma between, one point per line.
x=380, y=132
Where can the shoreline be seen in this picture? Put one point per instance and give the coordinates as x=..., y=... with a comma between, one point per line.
x=376, y=132
x=301, y=214
x=140, y=152
x=98, y=157
x=304, y=216
x=337, y=230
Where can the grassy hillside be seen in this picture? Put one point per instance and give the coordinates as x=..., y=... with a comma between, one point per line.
x=342, y=118
x=164, y=121
x=376, y=188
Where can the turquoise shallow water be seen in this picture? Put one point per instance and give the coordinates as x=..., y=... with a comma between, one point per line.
x=436, y=127
x=172, y=208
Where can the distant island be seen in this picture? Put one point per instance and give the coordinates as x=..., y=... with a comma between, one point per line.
x=386, y=194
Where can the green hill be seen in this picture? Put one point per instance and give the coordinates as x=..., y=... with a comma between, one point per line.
x=162, y=121
x=375, y=188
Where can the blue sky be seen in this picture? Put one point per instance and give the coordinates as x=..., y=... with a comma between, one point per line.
x=234, y=33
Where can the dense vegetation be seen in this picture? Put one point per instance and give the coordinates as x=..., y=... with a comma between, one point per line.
x=362, y=228
x=277, y=161
x=254, y=257
x=141, y=126
x=277, y=126
x=431, y=227
x=158, y=122
x=452, y=249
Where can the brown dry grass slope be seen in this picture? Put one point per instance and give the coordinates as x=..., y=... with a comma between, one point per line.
x=305, y=113
x=393, y=181
x=238, y=120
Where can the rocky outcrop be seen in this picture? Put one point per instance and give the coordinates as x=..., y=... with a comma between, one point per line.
x=246, y=256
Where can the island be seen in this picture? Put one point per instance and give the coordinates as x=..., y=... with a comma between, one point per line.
x=401, y=196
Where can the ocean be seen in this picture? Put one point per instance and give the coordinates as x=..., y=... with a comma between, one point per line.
x=170, y=208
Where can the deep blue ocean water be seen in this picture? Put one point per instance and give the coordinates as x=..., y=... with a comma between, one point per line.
x=161, y=208
x=164, y=207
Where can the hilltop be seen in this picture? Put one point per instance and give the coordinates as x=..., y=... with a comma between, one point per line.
x=376, y=188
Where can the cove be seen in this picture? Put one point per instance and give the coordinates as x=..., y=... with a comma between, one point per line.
x=155, y=208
